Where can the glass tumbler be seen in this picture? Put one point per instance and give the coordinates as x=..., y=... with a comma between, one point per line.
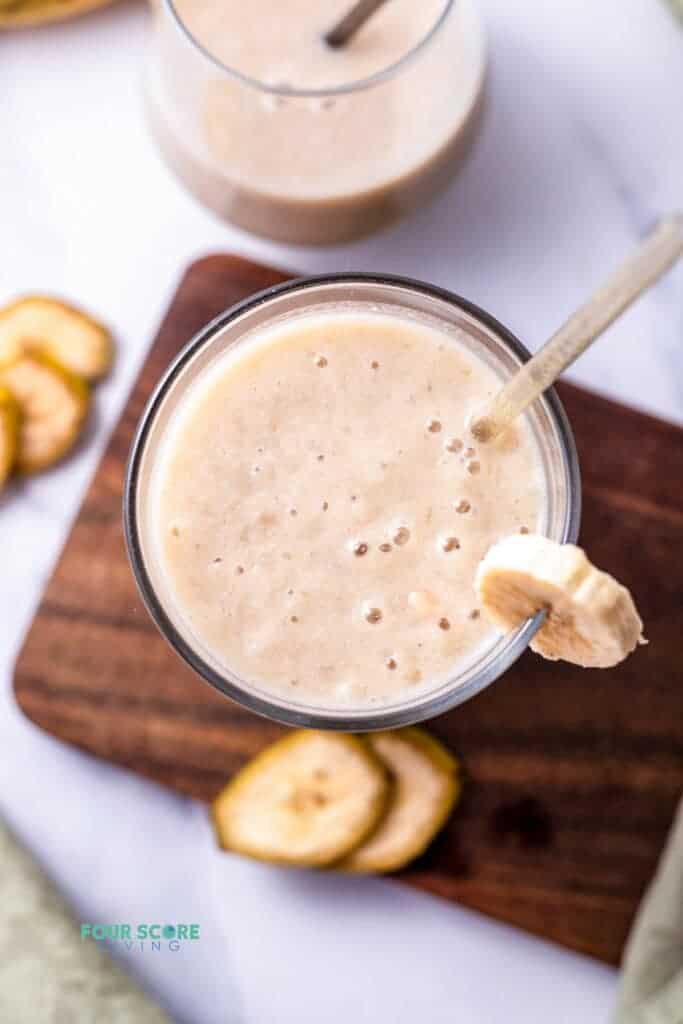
x=489, y=341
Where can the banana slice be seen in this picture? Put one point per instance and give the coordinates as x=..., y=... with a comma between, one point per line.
x=39, y=324
x=307, y=800
x=53, y=405
x=426, y=788
x=9, y=433
x=591, y=618
x=22, y=13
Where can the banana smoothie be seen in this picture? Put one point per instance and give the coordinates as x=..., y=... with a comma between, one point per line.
x=296, y=140
x=319, y=513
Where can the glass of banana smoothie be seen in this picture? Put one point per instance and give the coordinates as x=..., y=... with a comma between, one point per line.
x=305, y=512
x=292, y=139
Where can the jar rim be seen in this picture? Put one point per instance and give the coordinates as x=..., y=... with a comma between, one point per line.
x=427, y=704
x=291, y=92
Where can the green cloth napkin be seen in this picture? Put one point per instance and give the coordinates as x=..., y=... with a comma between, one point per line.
x=651, y=990
x=48, y=974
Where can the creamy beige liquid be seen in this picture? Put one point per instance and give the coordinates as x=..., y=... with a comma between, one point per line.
x=281, y=42
x=315, y=168
x=320, y=517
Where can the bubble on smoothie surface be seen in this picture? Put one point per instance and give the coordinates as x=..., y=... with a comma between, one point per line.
x=473, y=466
x=450, y=543
x=385, y=547
x=454, y=445
x=483, y=429
x=469, y=453
x=374, y=364
x=373, y=616
x=360, y=549
x=239, y=570
x=444, y=624
x=463, y=506
x=319, y=104
x=321, y=361
x=524, y=529
x=325, y=506
x=401, y=536
x=434, y=426
x=273, y=100
x=391, y=664
x=475, y=613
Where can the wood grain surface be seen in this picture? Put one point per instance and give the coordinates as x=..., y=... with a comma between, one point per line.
x=572, y=776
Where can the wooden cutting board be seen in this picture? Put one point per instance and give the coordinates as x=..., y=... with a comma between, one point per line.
x=572, y=776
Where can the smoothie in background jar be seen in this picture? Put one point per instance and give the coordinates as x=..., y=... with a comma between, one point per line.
x=297, y=141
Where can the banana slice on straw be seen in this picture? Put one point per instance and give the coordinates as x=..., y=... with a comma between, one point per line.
x=66, y=334
x=53, y=404
x=427, y=786
x=9, y=433
x=591, y=618
x=307, y=800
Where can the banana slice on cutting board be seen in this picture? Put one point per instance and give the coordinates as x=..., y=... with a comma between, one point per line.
x=9, y=432
x=307, y=800
x=37, y=323
x=427, y=785
x=53, y=404
x=591, y=618
x=23, y=13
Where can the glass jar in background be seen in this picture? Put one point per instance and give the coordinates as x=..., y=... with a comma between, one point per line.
x=322, y=163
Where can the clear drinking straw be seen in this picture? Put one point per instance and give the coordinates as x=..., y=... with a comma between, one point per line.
x=659, y=251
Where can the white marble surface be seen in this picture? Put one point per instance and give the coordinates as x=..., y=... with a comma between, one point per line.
x=582, y=149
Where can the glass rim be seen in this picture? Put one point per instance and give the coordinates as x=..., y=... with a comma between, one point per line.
x=421, y=708
x=321, y=93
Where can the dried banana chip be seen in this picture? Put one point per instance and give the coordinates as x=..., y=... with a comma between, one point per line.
x=22, y=13
x=426, y=788
x=307, y=800
x=39, y=324
x=53, y=405
x=9, y=433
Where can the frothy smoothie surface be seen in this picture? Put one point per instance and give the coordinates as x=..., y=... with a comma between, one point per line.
x=282, y=42
x=320, y=515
